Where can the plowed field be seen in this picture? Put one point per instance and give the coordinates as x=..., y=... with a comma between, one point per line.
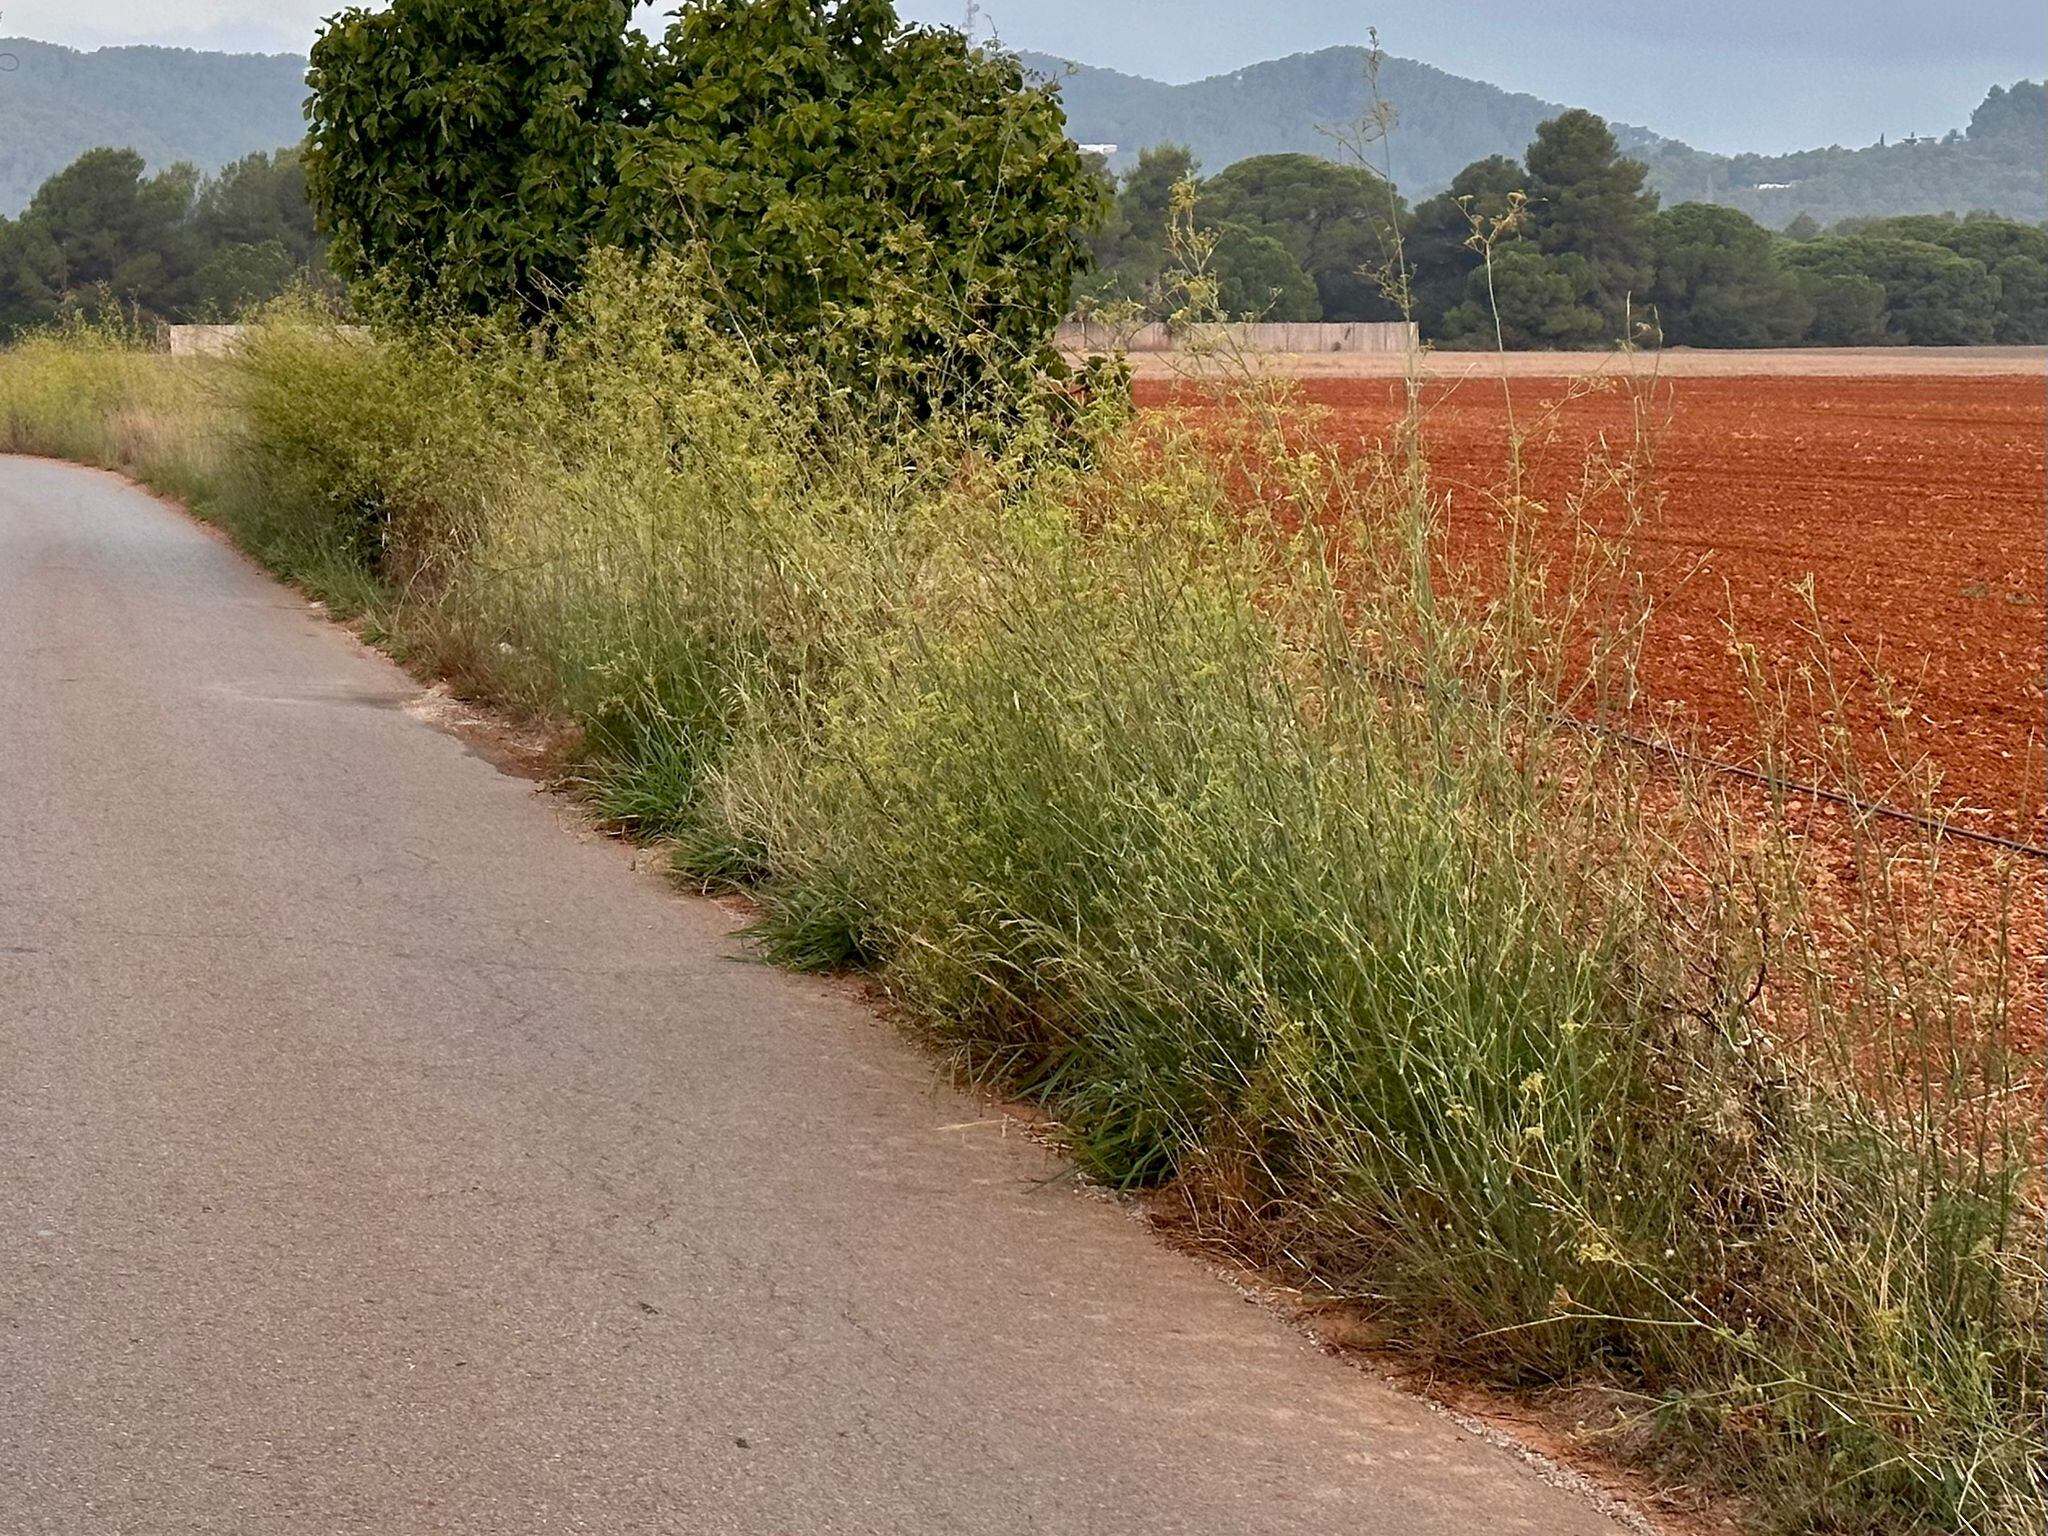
x=1914, y=503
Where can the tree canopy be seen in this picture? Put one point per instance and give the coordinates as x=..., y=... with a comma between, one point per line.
x=1339, y=222
x=1526, y=299
x=1575, y=244
x=863, y=190
x=1587, y=200
x=1932, y=296
x=1719, y=281
x=1441, y=254
x=2014, y=254
x=1129, y=245
x=1258, y=275
x=1295, y=237
x=462, y=150
x=102, y=232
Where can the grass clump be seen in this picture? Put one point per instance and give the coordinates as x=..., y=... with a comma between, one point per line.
x=101, y=394
x=1167, y=785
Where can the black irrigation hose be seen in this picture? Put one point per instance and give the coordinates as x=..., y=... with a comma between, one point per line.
x=1812, y=791
x=1773, y=781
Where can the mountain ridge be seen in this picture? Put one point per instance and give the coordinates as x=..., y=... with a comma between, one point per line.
x=1444, y=122
x=168, y=104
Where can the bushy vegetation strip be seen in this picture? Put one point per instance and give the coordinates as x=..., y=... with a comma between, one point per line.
x=1161, y=784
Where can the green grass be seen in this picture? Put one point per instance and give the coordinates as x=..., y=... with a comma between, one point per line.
x=1172, y=794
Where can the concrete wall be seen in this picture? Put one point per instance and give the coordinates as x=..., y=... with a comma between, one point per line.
x=1360, y=336
x=1383, y=337
x=219, y=340
x=202, y=340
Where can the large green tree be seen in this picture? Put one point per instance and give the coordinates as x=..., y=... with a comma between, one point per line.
x=255, y=228
x=2014, y=253
x=237, y=276
x=118, y=229
x=1848, y=308
x=101, y=232
x=1146, y=198
x=32, y=286
x=1720, y=282
x=890, y=199
x=1129, y=245
x=1524, y=299
x=261, y=199
x=1258, y=278
x=105, y=234
x=858, y=180
x=1442, y=252
x=1339, y=222
x=2022, y=318
x=1587, y=199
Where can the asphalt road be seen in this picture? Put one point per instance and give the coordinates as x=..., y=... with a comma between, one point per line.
x=380, y=1154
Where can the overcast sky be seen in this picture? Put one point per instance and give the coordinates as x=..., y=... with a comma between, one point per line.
x=1721, y=74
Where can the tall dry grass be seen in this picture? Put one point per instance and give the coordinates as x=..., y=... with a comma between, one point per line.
x=100, y=394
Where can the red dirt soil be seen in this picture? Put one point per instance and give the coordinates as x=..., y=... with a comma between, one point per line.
x=1916, y=504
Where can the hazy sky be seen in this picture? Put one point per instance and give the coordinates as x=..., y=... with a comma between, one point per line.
x=1722, y=74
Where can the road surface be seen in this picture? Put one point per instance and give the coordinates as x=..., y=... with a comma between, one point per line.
x=379, y=1154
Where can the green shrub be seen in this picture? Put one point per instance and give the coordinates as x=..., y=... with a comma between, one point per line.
x=889, y=201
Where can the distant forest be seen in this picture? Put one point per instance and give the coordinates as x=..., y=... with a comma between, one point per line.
x=1581, y=252
x=1565, y=246
x=1444, y=122
x=1998, y=164
x=105, y=237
